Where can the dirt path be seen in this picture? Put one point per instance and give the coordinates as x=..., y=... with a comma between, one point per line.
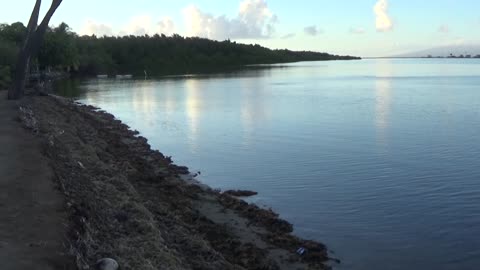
x=31, y=209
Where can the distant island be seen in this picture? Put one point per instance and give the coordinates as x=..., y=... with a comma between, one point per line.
x=465, y=51
x=454, y=56
x=65, y=51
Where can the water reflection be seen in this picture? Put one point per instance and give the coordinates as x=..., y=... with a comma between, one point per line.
x=192, y=106
x=144, y=101
x=252, y=109
x=383, y=100
x=170, y=100
x=68, y=88
x=92, y=96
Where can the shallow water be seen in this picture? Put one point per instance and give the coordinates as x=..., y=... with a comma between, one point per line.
x=376, y=158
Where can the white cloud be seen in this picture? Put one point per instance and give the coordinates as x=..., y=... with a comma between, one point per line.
x=138, y=26
x=92, y=28
x=144, y=25
x=254, y=20
x=312, y=30
x=459, y=41
x=165, y=26
x=357, y=30
x=444, y=29
x=383, y=22
x=287, y=36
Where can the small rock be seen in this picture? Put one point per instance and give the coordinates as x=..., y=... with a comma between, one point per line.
x=106, y=264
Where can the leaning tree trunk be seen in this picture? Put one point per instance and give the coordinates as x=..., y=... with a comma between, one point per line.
x=31, y=46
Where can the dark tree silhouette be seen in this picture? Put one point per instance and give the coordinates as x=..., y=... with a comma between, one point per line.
x=31, y=46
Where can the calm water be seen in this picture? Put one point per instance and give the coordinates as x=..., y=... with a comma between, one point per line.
x=379, y=159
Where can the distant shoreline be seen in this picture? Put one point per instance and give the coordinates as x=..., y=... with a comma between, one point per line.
x=419, y=57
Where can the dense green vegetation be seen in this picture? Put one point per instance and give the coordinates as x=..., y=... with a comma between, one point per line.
x=11, y=37
x=4, y=77
x=157, y=55
x=176, y=54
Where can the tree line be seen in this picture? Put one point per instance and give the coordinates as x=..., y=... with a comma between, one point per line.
x=64, y=50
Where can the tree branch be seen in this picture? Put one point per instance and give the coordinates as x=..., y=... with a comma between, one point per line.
x=42, y=28
x=32, y=23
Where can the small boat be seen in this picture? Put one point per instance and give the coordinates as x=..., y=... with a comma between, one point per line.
x=102, y=76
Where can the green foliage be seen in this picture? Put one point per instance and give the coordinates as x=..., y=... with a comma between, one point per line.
x=11, y=37
x=8, y=53
x=14, y=32
x=5, y=77
x=158, y=55
x=59, y=48
x=172, y=55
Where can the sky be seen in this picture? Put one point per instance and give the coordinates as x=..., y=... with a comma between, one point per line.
x=356, y=27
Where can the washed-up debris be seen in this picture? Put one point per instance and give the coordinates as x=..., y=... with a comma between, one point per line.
x=241, y=193
x=28, y=119
x=301, y=251
x=81, y=165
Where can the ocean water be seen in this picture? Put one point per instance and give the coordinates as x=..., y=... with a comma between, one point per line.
x=378, y=159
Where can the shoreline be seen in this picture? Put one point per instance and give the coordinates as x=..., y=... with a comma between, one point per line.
x=131, y=203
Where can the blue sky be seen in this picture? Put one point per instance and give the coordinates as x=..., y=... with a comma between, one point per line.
x=358, y=27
